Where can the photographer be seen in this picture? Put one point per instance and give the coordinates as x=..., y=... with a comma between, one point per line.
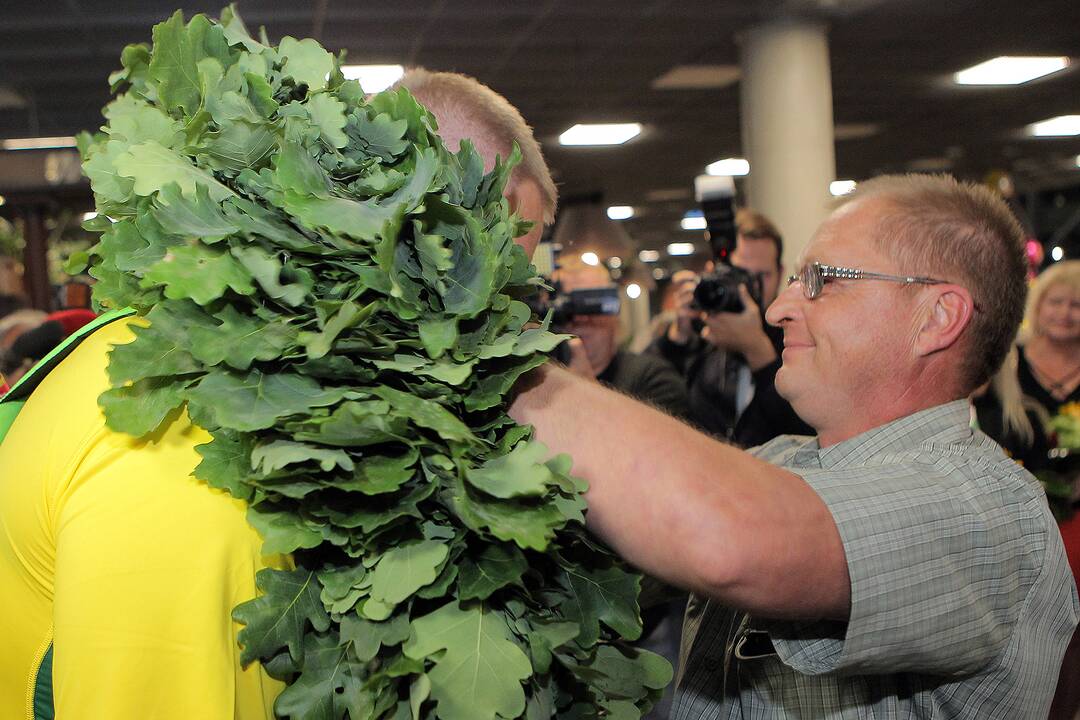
x=731, y=362
x=594, y=352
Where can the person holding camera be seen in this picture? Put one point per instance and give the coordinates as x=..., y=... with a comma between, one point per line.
x=721, y=345
x=594, y=352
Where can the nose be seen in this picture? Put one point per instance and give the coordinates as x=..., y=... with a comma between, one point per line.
x=786, y=306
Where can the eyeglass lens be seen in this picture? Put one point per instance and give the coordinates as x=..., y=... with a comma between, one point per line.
x=811, y=280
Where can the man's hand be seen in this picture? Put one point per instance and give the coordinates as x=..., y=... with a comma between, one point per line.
x=680, y=331
x=741, y=332
x=579, y=360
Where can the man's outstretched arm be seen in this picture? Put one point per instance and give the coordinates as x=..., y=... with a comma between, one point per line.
x=688, y=509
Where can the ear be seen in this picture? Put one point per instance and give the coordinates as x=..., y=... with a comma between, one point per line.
x=527, y=200
x=948, y=312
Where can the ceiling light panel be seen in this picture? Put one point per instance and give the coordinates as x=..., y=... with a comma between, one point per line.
x=681, y=248
x=600, y=134
x=693, y=220
x=38, y=143
x=733, y=167
x=1010, y=70
x=620, y=212
x=1060, y=126
x=373, y=78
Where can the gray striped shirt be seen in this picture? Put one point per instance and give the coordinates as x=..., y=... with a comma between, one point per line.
x=962, y=601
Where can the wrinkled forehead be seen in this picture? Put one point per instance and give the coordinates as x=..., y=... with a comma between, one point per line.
x=847, y=237
x=1062, y=290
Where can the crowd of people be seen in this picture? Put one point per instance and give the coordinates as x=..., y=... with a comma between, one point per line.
x=836, y=476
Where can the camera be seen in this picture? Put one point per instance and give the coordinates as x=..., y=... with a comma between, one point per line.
x=586, y=301
x=565, y=305
x=718, y=291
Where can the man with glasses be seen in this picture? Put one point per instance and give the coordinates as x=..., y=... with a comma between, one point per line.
x=898, y=564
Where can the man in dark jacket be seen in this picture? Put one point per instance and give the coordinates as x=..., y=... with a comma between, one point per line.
x=729, y=366
x=595, y=353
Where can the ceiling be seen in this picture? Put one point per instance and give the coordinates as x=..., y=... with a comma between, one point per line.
x=568, y=61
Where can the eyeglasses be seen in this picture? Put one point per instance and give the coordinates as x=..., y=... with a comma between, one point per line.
x=814, y=275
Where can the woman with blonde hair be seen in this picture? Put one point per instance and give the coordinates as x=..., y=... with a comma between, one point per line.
x=1013, y=420
x=1049, y=372
x=1049, y=362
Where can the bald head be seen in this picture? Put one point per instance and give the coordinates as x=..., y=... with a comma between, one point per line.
x=468, y=109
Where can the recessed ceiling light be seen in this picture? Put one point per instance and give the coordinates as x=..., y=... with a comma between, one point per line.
x=1010, y=70
x=614, y=262
x=697, y=77
x=648, y=256
x=600, y=134
x=620, y=212
x=1057, y=253
x=681, y=248
x=693, y=220
x=841, y=187
x=659, y=273
x=590, y=258
x=633, y=291
x=735, y=167
x=38, y=143
x=1060, y=126
x=373, y=78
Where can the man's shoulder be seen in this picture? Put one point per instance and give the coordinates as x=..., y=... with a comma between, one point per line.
x=76, y=382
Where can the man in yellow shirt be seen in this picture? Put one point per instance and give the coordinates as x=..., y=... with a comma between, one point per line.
x=118, y=570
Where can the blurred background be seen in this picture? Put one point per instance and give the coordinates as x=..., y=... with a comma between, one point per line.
x=797, y=100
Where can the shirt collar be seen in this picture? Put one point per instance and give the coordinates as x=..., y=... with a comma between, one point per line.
x=941, y=424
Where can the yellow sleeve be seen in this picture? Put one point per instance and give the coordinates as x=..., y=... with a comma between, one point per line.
x=148, y=561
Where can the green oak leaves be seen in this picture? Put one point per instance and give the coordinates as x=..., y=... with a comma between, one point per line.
x=338, y=299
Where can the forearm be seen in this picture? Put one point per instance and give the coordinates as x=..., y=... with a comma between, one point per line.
x=688, y=509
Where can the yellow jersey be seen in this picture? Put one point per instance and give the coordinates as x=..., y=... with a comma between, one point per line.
x=118, y=570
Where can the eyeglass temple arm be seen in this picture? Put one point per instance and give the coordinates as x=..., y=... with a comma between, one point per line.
x=832, y=271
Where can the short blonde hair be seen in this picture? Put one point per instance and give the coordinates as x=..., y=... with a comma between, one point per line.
x=1062, y=273
x=491, y=119
x=937, y=226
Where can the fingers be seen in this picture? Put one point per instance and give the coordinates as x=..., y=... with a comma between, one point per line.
x=747, y=298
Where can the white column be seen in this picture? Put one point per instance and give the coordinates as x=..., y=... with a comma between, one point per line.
x=787, y=127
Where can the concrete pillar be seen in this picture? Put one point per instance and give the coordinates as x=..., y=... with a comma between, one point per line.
x=787, y=127
x=36, y=259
